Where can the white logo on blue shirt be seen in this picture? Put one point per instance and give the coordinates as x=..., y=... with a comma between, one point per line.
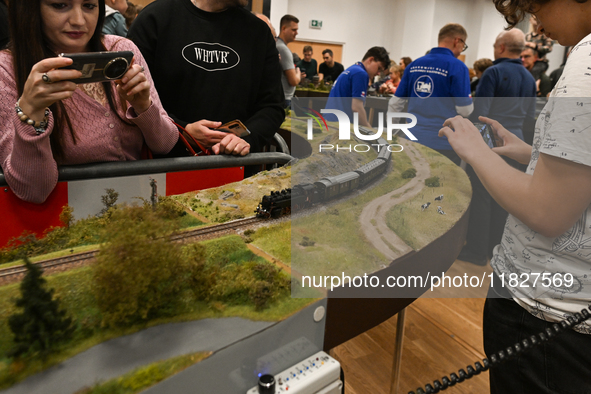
x=424, y=86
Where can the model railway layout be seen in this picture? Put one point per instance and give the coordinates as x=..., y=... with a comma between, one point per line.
x=11, y=274
x=305, y=195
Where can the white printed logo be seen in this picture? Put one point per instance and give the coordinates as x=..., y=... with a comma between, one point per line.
x=424, y=86
x=345, y=125
x=211, y=56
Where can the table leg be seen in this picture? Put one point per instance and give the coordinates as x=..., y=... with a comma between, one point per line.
x=395, y=377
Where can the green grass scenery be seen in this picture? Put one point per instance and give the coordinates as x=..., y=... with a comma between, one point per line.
x=230, y=282
x=145, y=377
x=235, y=200
x=419, y=227
x=339, y=244
x=330, y=241
x=275, y=240
x=75, y=237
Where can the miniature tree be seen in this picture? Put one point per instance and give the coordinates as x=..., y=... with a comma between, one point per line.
x=25, y=244
x=255, y=283
x=139, y=274
x=109, y=200
x=269, y=285
x=307, y=242
x=409, y=173
x=67, y=216
x=432, y=182
x=42, y=324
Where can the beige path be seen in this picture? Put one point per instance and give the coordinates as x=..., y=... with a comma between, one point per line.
x=378, y=233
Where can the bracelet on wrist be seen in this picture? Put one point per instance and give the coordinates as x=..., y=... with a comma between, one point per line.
x=39, y=127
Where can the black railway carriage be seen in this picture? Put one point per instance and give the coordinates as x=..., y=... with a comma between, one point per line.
x=383, y=153
x=335, y=186
x=368, y=172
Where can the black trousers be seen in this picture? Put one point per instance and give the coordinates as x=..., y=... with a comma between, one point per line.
x=560, y=366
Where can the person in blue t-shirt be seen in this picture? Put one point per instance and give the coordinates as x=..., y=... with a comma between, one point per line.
x=428, y=79
x=350, y=89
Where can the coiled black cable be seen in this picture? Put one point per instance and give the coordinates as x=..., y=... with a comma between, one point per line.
x=504, y=355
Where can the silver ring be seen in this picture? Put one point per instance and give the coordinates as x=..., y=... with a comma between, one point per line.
x=142, y=68
x=46, y=78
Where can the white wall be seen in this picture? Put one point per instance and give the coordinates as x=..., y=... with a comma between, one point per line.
x=278, y=9
x=486, y=25
x=358, y=25
x=417, y=30
x=403, y=27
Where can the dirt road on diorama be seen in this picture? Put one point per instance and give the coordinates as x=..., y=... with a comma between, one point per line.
x=373, y=216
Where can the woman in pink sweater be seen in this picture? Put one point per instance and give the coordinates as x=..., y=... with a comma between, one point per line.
x=47, y=120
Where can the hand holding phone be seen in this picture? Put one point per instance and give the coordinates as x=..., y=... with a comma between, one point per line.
x=235, y=127
x=36, y=96
x=487, y=133
x=99, y=66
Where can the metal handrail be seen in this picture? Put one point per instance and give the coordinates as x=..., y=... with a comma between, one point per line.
x=281, y=142
x=156, y=166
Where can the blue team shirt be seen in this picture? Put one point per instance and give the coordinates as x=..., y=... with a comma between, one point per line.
x=436, y=75
x=352, y=83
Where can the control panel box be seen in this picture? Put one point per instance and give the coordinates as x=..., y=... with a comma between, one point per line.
x=318, y=374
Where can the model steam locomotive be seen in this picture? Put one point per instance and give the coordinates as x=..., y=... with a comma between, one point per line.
x=307, y=194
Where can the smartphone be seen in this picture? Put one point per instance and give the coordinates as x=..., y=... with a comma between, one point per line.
x=99, y=66
x=487, y=134
x=235, y=127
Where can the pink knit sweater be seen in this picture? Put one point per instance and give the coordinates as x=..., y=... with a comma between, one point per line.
x=26, y=158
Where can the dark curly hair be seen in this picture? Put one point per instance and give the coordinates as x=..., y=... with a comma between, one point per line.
x=516, y=10
x=380, y=54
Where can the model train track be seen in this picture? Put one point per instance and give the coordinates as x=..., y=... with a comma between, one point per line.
x=216, y=228
x=72, y=259
x=10, y=274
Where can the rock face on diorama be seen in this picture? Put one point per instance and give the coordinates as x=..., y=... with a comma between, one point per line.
x=356, y=212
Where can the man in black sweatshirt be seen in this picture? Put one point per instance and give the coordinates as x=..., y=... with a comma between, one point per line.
x=212, y=61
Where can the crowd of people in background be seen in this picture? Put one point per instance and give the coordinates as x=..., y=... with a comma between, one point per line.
x=533, y=58
x=374, y=74
x=48, y=120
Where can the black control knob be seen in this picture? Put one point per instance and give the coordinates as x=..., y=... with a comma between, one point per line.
x=267, y=384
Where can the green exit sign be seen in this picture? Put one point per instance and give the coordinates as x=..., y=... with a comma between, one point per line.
x=315, y=24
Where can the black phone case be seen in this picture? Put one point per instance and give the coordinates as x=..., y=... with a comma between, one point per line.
x=235, y=127
x=487, y=134
x=95, y=66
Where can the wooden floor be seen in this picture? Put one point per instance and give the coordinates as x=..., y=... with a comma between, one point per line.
x=441, y=336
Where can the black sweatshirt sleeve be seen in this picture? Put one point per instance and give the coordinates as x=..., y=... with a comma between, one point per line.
x=269, y=112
